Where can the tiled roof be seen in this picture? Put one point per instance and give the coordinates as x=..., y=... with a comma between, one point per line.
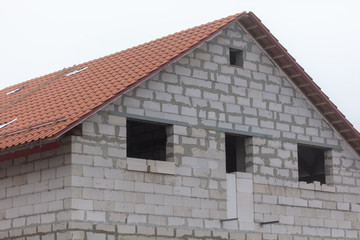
x=48, y=106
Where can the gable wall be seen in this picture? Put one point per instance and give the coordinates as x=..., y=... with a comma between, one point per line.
x=207, y=97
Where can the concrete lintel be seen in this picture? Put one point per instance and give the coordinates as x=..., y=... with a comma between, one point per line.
x=149, y=119
x=237, y=132
x=314, y=144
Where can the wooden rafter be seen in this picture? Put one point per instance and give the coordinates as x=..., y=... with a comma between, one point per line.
x=252, y=27
x=278, y=56
x=344, y=130
x=296, y=75
x=261, y=37
x=287, y=66
x=336, y=121
x=269, y=47
x=304, y=85
x=312, y=94
x=320, y=104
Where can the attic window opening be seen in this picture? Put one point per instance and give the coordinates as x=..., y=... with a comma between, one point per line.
x=311, y=164
x=7, y=123
x=236, y=57
x=148, y=140
x=235, y=153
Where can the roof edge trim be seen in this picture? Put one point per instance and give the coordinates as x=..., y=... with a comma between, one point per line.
x=28, y=151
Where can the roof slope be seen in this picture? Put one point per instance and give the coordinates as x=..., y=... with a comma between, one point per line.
x=50, y=105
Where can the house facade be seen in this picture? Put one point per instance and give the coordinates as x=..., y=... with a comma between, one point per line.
x=218, y=142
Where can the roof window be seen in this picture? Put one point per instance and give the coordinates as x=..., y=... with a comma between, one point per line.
x=5, y=124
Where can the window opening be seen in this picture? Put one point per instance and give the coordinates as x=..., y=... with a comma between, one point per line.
x=311, y=164
x=146, y=140
x=236, y=57
x=235, y=153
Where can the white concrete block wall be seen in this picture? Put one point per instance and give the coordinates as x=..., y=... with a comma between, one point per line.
x=240, y=202
x=231, y=196
x=245, y=201
x=258, y=99
x=115, y=197
x=34, y=191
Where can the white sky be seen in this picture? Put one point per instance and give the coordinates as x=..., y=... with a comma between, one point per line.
x=41, y=36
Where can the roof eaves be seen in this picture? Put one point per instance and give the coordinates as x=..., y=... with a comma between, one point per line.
x=16, y=152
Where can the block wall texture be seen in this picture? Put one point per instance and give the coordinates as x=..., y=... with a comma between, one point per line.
x=115, y=197
x=35, y=193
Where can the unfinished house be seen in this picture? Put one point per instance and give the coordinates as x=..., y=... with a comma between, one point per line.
x=214, y=132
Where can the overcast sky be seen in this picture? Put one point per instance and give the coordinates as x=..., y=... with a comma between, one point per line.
x=40, y=37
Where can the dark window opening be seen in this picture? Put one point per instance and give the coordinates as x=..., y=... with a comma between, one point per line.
x=146, y=140
x=235, y=153
x=236, y=57
x=311, y=164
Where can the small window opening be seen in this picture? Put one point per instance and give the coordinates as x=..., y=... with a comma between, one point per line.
x=146, y=140
x=236, y=57
x=311, y=164
x=235, y=153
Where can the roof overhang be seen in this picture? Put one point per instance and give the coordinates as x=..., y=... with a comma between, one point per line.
x=280, y=56
x=11, y=154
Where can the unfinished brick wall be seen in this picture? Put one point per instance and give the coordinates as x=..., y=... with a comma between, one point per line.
x=201, y=98
x=34, y=193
